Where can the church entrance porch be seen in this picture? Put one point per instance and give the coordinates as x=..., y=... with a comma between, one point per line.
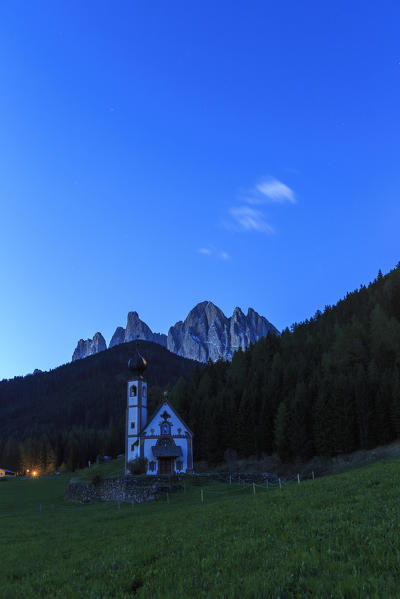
x=165, y=451
x=165, y=465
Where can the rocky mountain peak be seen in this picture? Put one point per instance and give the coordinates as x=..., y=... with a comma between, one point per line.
x=206, y=333
x=133, y=317
x=89, y=347
x=136, y=328
x=238, y=314
x=118, y=337
x=203, y=315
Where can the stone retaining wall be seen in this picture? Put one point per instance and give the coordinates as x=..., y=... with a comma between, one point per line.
x=142, y=489
x=125, y=489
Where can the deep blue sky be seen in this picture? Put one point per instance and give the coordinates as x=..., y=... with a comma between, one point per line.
x=157, y=154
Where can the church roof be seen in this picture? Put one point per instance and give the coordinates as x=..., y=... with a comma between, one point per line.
x=169, y=451
x=165, y=403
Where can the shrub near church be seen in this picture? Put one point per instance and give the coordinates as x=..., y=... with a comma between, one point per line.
x=138, y=466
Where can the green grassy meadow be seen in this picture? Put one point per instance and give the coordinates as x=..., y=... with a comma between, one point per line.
x=333, y=537
x=111, y=469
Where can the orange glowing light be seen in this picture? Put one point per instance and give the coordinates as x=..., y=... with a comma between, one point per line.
x=34, y=473
x=28, y=470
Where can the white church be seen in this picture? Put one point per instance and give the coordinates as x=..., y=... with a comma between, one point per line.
x=165, y=440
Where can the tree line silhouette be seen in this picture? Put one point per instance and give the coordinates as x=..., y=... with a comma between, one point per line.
x=326, y=386
x=59, y=420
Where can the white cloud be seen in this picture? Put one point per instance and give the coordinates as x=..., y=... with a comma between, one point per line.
x=250, y=219
x=272, y=190
x=267, y=191
x=211, y=251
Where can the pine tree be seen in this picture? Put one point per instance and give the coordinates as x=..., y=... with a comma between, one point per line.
x=395, y=403
x=282, y=442
x=364, y=407
x=10, y=456
x=300, y=432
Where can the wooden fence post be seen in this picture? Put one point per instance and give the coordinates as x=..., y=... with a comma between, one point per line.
x=313, y=474
x=298, y=478
x=280, y=485
x=266, y=484
x=202, y=496
x=254, y=488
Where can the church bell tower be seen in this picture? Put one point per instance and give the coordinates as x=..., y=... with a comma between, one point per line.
x=136, y=409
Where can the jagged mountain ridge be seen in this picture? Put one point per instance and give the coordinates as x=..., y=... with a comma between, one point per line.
x=88, y=347
x=205, y=334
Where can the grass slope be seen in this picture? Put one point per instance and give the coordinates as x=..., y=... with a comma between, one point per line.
x=333, y=537
x=111, y=469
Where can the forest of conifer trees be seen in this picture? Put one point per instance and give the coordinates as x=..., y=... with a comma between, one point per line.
x=327, y=386
x=62, y=418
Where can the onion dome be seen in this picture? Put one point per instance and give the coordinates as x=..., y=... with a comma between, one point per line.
x=137, y=365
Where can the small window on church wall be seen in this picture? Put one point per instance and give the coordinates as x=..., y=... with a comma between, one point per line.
x=133, y=447
x=133, y=391
x=144, y=391
x=179, y=465
x=132, y=425
x=152, y=466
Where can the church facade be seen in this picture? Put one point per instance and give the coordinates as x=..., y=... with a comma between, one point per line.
x=164, y=439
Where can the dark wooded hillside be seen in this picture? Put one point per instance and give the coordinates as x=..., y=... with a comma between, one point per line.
x=76, y=411
x=326, y=386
